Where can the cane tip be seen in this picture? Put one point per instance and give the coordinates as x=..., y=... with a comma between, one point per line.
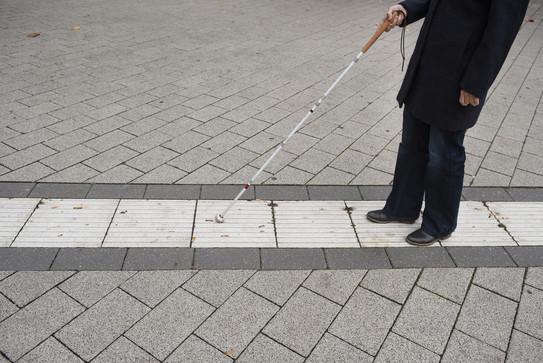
x=219, y=218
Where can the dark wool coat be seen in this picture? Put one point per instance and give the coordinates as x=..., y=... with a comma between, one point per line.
x=462, y=45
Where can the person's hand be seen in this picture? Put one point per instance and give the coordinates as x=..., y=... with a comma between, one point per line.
x=467, y=98
x=398, y=9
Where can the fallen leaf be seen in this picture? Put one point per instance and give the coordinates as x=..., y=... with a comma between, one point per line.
x=78, y=207
x=262, y=226
x=193, y=239
x=222, y=11
x=55, y=207
x=175, y=23
x=230, y=352
x=529, y=20
x=225, y=235
x=209, y=220
x=33, y=35
x=76, y=28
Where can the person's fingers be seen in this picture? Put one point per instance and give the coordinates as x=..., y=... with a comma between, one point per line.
x=462, y=99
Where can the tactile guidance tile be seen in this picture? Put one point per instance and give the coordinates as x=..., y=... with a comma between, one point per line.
x=247, y=224
x=13, y=215
x=524, y=221
x=312, y=224
x=67, y=223
x=148, y=223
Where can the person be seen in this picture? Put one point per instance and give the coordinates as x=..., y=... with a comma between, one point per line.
x=459, y=51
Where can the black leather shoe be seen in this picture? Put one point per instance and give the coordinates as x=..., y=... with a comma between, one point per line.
x=378, y=216
x=421, y=238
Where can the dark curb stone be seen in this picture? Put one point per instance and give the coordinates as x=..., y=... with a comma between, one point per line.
x=279, y=192
x=65, y=191
x=172, y=192
x=526, y=194
x=357, y=258
x=481, y=257
x=21, y=259
x=227, y=259
x=116, y=191
x=334, y=193
x=15, y=190
x=293, y=259
x=374, y=192
x=89, y=259
x=486, y=194
x=526, y=256
x=138, y=259
x=226, y=192
x=404, y=257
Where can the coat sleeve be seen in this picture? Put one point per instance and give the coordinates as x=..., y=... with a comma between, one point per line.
x=504, y=21
x=416, y=10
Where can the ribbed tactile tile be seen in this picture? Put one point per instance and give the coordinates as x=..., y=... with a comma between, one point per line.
x=67, y=223
x=13, y=215
x=478, y=227
x=373, y=234
x=312, y=224
x=247, y=224
x=151, y=223
x=524, y=221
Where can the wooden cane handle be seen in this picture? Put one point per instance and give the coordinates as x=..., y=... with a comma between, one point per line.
x=379, y=31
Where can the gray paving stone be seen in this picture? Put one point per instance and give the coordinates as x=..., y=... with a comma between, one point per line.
x=375, y=192
x=293, y=259
x=227, y=258
x=162, y=330
x=488, y=317
x=534, y=277
x=7, y=308
x=526, y=194
x=365, y=320
x=394, y=284
x=62, y=191
x=98, y=327
x=334, y=193
x=463, y=348
x=356, y=258
x=25, y=286
x=89, y=287
x=152, y=159
x=504, y=281
x=300, y=324
x=35, y=259
x=68, y=157
x=264, y=349
x=450, y=283
x=5, y=274
x=420, y=257
x=235, y=324
x=226, y=192
x=332, y=349
x=142, y=258
x=207, y=174
x=427, y=320
x=196, y=350
x=524, y=348
x=480, y=257
x=15, y=190
x=50, y=350
x=215, y=287
x=275, y=192
x=151, y=287
x=78, y=259
x=398, y=349
x=172, y=192
x=276, y=286
x=24, y=330
x=78, y=173
x=526, y=256
x=336, y=285
x=486, y=194
x=124, y=350
x=530, y=312
x=32, y=172
x=113, y=191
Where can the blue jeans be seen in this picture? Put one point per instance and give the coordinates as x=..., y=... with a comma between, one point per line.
x=430, y=165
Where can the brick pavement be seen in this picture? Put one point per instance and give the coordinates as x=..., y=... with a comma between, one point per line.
x=449, y=315
x=201, y=93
